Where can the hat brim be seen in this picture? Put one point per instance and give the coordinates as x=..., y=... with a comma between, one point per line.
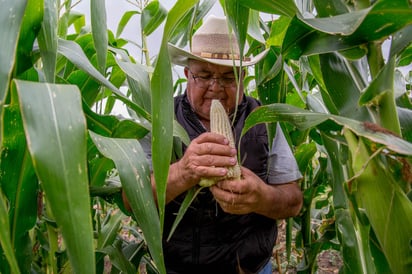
x=181, y=57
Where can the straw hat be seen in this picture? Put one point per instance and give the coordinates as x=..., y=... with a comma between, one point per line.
x=212, y=43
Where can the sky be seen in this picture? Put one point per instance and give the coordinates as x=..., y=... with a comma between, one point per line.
x=115, y=10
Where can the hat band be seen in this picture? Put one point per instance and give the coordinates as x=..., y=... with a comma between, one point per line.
x=225, y=56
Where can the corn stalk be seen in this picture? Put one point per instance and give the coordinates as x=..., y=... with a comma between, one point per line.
x=381, y=202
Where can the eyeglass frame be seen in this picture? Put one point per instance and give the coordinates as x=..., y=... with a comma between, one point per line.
x=209, y=80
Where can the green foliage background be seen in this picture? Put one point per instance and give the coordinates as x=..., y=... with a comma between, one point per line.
x=339, y=96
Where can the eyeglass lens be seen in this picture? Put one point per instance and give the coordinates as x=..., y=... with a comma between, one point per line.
x=205, y=81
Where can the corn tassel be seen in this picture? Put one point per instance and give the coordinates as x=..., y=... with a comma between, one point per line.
x=219, y=123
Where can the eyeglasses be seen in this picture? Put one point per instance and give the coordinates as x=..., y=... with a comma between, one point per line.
x=203, y=81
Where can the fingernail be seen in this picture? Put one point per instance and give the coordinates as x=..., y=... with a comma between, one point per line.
x=233, y=151
x=233, y=160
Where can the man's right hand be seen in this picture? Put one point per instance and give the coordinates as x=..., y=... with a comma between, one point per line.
x=208, y=155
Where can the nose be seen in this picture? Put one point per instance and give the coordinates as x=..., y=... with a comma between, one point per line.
x=215, y=83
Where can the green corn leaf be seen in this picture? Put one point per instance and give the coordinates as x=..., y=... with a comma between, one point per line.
x=405, y=119
x=162, y=105
x=9, y=33
x=182, y=32
x=124, y=20
x=129, y=129
x=342, y=89
x=272, y=90
x=118, y=259
x=110, y=230
x=139, y=82
x=47, y=39
x=238, y=17
x=352, y=234
x=134, y=172
x=304, y=119
x=380, y=93
x=99, y=32
x=326, y=8
x=180, y=132
x=386, y=205
x=357, y=24
x=72, y=51
x=56, y=136
x=271, y=76
x=278, y=31
x=77, y=20
x=304, y=154
x=28, y=32
x=254, y=28
x=355, y=245
x=5, y=239
x=405, y=58
x=385, y=18
x=343, y=24
x=302, y=40
x=287, y=7
x=19, y=183
x=189, y=198
x=111, y=126
x=308, y=36
x=152, y=16
x=400, y=41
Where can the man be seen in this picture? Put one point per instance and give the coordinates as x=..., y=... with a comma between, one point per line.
x=230, y=227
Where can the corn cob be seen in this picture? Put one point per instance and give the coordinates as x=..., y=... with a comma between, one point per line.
x=219, y=123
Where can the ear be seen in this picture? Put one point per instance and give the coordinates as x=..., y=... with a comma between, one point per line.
x=186, y=71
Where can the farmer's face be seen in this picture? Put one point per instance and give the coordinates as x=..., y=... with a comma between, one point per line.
x=206, y=81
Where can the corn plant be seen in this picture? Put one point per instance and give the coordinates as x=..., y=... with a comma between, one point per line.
x=354, y=105
x=65, y=158
x=61, y=149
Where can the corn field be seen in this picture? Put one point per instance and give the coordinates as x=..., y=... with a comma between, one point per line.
x=337, y=78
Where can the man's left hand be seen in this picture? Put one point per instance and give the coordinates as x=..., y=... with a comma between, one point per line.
x=251, y=194
x=239, y=196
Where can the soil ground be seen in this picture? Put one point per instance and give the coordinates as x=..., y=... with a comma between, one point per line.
x=329, y=261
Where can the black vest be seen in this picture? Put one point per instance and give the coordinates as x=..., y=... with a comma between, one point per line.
x=209, y=240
